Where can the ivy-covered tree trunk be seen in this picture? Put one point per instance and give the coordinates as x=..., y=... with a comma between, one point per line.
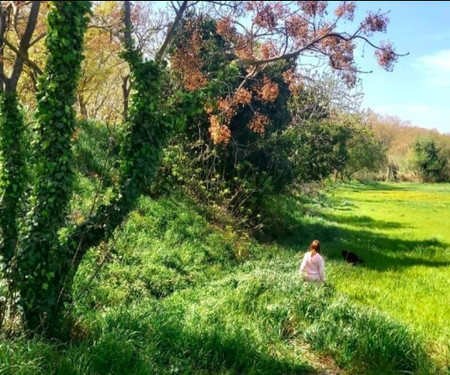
x=49, y=253
x=12, y=176
x=150, y=123
x=12, y=142
x=41, y=258
x=48, y=260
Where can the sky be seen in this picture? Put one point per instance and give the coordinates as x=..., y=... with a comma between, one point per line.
x=418, y=90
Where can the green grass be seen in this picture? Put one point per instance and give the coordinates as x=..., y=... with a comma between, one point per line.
x=179, y=294
x=402, y=231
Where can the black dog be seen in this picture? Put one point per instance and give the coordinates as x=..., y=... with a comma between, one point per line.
x=351, y=258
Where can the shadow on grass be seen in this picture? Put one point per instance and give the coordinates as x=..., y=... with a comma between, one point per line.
x=363, y=221
x=373, y=186
x=293, y=227
x=234, y=354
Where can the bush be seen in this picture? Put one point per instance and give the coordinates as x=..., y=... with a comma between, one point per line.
x=430, y=163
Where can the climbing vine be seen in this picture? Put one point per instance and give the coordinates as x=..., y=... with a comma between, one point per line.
x=40, y=257
x=151, y=122
x=12, y=175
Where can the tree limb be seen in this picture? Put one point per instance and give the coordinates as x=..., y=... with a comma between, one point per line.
x=128, y=26
x=287, y=56
x=27, y=61
x=2, y=33
x=24, y=45
x=38, y=38
x=172, y=30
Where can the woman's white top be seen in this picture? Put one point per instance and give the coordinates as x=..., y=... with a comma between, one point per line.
x=314, y=266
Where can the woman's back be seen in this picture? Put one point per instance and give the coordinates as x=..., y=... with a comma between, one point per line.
x=313, y=265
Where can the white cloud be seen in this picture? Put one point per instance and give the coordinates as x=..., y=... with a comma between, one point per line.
x=439, y=60
x=435, y=68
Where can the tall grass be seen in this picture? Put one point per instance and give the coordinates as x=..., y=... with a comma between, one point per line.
x=175, y=298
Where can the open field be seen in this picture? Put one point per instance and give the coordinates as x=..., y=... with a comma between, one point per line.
x=402, y=231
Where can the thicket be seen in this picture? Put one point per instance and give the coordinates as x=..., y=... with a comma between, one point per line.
x=305, y=140
x=430, y=162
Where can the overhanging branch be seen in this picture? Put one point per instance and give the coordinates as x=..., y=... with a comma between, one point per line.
x=172, y=30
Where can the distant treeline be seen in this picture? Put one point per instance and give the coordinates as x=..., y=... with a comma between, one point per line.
x=409, y=148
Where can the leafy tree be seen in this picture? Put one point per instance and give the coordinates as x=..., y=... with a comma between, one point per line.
x=366, y=152
x=239, y=148
x=399, y=138
x=319, y=149
x=273, y=32
x=236, y=174
x=429, y=161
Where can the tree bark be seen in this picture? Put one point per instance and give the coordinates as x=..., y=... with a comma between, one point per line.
x=172, y=30
x=126, y=94
x=83, y=108
x=24, y=46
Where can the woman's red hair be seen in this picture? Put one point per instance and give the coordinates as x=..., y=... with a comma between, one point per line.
x=315, y=245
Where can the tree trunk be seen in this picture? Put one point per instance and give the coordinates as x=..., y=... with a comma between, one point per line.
x=126, y=93
x=12, y=177
x=83, y=108
x=42, y=259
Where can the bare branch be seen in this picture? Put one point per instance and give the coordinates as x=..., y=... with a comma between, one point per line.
x=38, y=39
x=24, y=45
x=309, y=46
x=2, y=35
x=128, y=25
x=172, y=30
x=27, y=61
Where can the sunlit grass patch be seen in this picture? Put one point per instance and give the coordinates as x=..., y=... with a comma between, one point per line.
x=404, y=236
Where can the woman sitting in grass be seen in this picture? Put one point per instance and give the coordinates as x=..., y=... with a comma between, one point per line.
x=313, y=266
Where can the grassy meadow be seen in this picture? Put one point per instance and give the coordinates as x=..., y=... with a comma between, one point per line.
x=402, y=231
x=179, y=293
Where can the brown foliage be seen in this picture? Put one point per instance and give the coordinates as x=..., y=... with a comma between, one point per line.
x=187, y=62
x=269, y=91
x=219, y=133
x=259, y=123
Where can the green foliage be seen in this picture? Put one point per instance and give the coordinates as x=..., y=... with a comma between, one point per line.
x=429, y=161
x=41, y=259
x=12, y=176
x=319, y=148
x=234, y=176
x=96, y=151
x=344, y=146
x=365, y=152
x=150, y=123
